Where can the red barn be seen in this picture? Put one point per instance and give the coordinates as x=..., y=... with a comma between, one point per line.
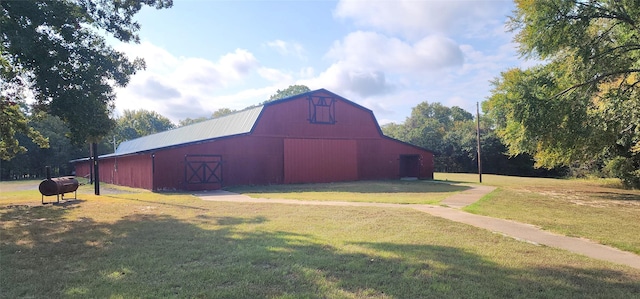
x=313, y=137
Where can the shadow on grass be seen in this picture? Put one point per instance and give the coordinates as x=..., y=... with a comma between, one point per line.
x=136, y=199
x=617, y=196
x=156, y=256
x=388, y=186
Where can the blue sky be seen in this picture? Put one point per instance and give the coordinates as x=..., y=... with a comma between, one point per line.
x=387, y=55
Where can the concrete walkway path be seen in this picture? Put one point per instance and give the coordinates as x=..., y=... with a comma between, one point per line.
x=450, y=210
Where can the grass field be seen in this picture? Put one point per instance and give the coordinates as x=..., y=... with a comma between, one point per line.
x=391, y=191
x=594, y=209
x=137, y=244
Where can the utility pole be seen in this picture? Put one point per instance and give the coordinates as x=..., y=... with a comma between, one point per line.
x=478, y=137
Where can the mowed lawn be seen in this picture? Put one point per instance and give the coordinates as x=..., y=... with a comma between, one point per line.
x=386, y=191
x=596, y=209
x=137, y=244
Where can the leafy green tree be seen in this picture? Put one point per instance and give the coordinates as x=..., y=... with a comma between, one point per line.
x=32, y=162
x=451, y=134
x=58, y=49
x=13, y=121
x=222, y=112
x=292, y=90
x=189, y=121
x=137, y=123
x=218, y=113
x=583, y=105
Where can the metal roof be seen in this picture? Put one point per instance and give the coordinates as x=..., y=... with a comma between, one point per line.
x=229, y=125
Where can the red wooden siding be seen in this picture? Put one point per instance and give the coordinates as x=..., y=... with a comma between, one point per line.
x=291, y=119
x=245, y=160
x=380, y=159
x=133, y=171
x=320, y=160
x=83, y=169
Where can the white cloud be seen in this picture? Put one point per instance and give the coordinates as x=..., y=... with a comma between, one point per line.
x=157, y=60
x=288, y=48
x=180, y=87
x=274, y=75
x=415, y=19
x=364, y=60
x=153, y=87
x=347, y=81
x=372, y=50
x=238, y=63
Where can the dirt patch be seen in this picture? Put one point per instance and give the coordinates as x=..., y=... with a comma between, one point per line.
x=104, y=190
x=12, y=186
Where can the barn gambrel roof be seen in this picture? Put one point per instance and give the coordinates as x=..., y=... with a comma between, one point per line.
x=237, y=123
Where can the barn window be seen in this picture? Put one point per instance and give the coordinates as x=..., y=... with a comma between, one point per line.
x=322, y=110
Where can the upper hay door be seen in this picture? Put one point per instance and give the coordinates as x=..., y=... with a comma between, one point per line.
x=322, y=110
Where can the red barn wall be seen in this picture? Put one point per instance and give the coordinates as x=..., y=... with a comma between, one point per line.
x=246, y=160
x=380, y=159
x=133, y=171
x=83, y=169
x=290, y=119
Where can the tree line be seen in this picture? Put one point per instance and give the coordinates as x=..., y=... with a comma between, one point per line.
x=450, y=132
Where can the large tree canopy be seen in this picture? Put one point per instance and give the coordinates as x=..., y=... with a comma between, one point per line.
x=292, y=90
x=54, y=49
x=137, y=123
x=583, y=104
x=451, y=134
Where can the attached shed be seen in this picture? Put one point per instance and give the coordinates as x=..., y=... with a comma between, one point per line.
x=313, y=137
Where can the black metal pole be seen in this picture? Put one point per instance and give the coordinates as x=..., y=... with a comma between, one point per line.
x=478, y=137
x=96, y=169
x=90, y=163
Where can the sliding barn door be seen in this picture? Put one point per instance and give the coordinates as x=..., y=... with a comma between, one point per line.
x=320, y=160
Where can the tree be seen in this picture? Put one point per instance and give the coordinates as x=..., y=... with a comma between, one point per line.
x=190, y=121
x=137, y=123
x=57, y=155
x=222, y=112
x=583, y=105
x=290, y=91
x=218, y=113
x=55, y=48
x=13, y=121
x=451, y=134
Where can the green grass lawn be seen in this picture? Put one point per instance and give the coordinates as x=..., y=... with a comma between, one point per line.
x=391, y=191
x=596, y=209
x=136, y=244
